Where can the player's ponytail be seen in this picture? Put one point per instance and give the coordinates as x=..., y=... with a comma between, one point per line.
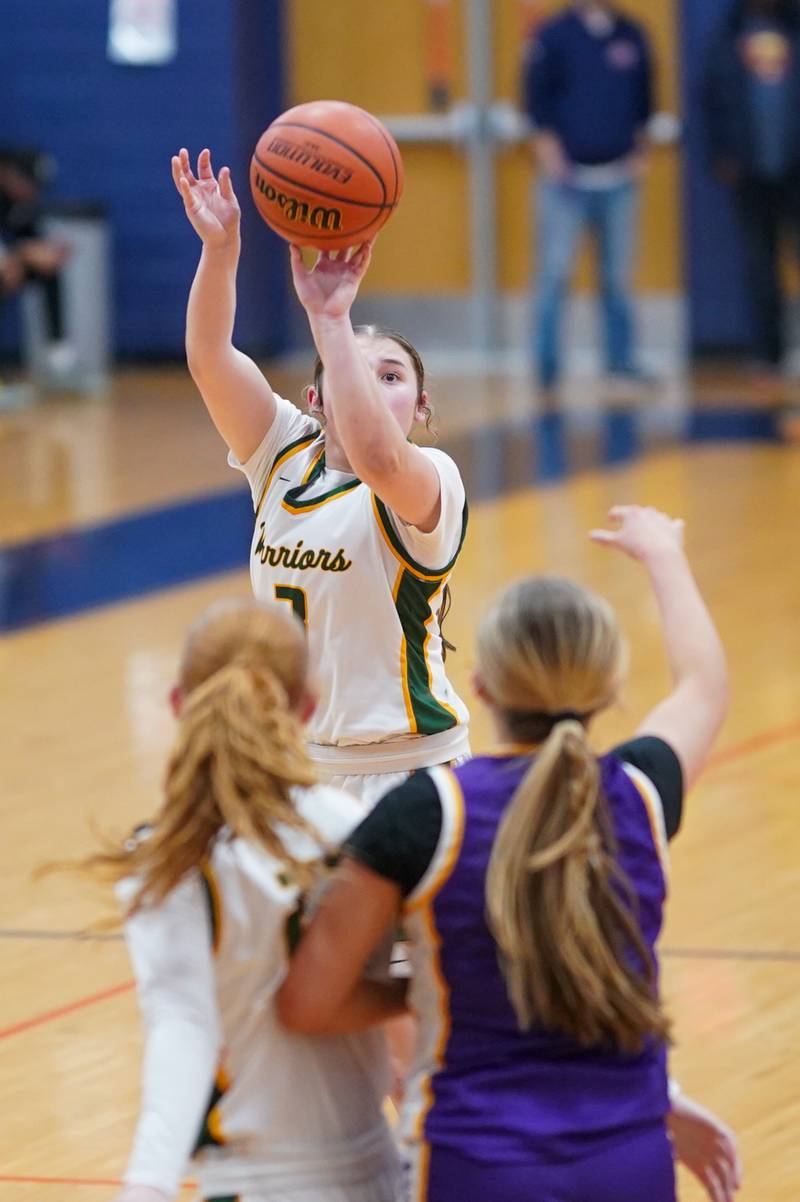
x=558, y=905
x=238, y=752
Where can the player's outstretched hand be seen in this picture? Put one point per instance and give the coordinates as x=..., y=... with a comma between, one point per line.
x=640, y=532
x=140, y=1193
x=210, y=202
x=329, y=287
x=706, y=1146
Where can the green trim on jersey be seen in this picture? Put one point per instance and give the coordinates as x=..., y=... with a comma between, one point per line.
x=412, y=601
x=401, y=551
x=292, y=499
x=285, y=452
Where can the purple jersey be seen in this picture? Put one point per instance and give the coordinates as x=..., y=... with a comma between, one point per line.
x=482, y=1087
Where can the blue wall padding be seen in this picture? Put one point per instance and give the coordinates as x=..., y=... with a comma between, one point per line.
x=113, y=129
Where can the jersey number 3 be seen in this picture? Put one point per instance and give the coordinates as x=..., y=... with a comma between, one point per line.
x=296, y=598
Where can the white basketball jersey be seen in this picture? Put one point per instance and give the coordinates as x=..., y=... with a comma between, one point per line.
x=223, y=1081
x=369, y=589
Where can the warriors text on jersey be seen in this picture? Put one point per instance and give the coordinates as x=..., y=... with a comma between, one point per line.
x=369, y=589
x=260, y=1110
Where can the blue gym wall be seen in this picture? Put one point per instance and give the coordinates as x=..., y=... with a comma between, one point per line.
x=714, y=273
x=113, y=129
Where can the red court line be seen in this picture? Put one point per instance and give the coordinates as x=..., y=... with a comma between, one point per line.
x=768, y=738
x=62, y=1180
x=49, y=1016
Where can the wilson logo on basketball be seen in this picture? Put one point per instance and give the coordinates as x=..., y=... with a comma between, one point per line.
x=318, y=217
x=310, y=157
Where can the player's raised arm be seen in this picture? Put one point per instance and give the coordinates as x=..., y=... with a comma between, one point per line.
x=236, y=393
x=371, y=435
x=689, y=718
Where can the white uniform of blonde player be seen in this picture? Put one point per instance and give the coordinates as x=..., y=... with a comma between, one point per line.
x=369, y=588
x=260, y=1114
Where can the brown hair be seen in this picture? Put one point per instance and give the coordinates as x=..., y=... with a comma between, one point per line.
x=375, y=332
x=562, y=911
x=238, y=752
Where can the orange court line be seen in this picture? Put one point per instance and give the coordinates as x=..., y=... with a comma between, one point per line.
x=75, y=1181
x=51, y=1015
x=767, y=738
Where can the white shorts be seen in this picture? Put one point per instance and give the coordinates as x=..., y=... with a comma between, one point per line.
x=370, y=789
x=387, y=1187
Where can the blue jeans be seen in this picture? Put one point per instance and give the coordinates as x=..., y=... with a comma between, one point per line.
x=564, y=211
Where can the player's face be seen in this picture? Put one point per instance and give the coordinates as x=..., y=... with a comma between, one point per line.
x=394, y=373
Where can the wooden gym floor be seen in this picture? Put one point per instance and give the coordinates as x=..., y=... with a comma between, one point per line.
x=119, y=522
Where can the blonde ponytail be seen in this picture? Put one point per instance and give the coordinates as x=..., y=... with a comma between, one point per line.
x=558, y=904
x=572, y=952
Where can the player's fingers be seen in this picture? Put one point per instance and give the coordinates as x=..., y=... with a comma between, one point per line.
x=190, y=200
x=603, y=537
x=186, y=166
x=177, y=171
x=736, y=1161
x=617, y=512
x=729, y=1159
x=725, y=1172
x=713, y=1184
x=204, y=170
x=226, y=184
x=359, y=258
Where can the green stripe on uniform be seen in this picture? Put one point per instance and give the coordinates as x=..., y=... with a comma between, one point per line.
x=402, y=550
x=414, y=610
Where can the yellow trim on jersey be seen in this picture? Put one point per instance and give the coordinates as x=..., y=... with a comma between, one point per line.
x=342, y=491
x=407, y=564
x=655, y=814
x=214, y=1120
x=313, y=464
x=412, y=721
x=425, y=903
x=290, y=451
x=216, y=905
x=423, y=1173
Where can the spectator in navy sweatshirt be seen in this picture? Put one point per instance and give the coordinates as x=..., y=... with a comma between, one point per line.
x=752, y=95
x=587, y=81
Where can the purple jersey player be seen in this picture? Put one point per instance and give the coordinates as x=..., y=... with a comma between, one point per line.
x=531, y=885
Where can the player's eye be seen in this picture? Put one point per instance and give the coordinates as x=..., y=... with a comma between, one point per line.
x=391, y=376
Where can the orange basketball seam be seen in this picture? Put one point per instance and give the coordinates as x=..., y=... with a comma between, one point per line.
x=361, y=204
x=392, y=147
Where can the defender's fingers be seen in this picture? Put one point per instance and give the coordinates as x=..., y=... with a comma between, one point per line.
x=604, y=537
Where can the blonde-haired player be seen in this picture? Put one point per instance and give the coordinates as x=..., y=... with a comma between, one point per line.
x=356, y=528
x=212, y=894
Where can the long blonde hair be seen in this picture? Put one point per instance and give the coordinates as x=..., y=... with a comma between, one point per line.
x=238, y=752
x=563, y=914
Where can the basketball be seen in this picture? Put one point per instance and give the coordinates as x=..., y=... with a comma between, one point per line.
x=326, y=175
